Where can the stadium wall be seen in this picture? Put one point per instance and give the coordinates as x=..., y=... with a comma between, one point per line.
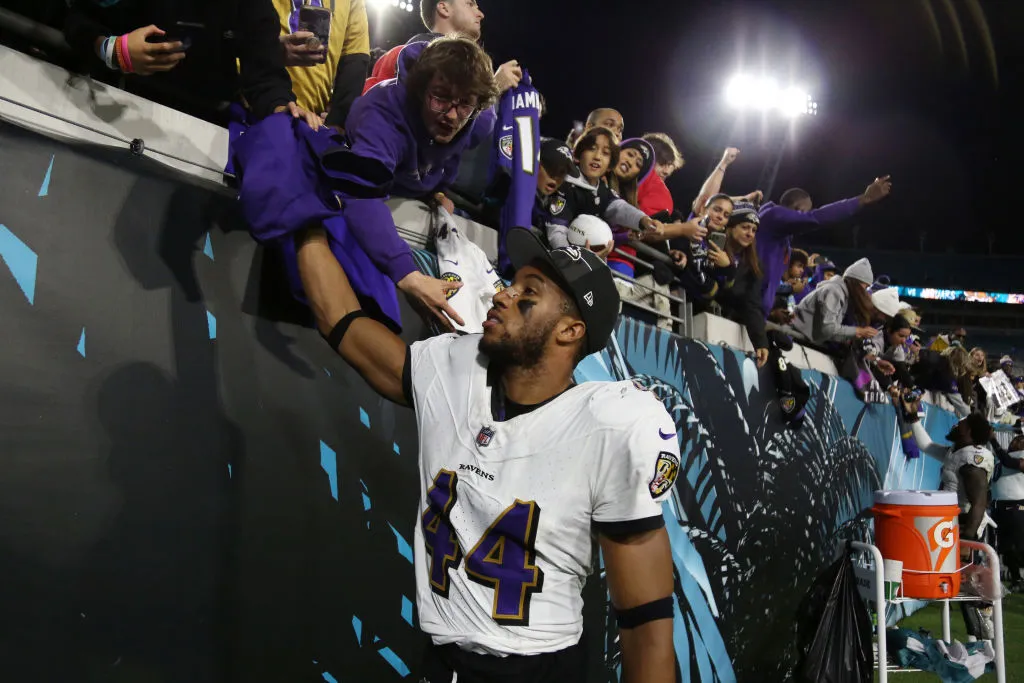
x=196, y=489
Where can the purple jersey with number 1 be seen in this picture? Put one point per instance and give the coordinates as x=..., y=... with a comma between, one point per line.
x=517, y=136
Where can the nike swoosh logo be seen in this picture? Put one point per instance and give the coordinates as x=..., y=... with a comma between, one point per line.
x=665, y=436
x=505, y=128
x=454, y=263
x=490, y=270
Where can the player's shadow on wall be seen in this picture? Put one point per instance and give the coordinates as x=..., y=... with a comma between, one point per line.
x=163, y=226
x=159, y=580
x=151, y=589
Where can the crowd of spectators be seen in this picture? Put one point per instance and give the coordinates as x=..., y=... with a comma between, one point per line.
x=416, y=121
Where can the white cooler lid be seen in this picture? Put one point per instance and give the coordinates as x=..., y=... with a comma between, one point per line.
x=921, y=498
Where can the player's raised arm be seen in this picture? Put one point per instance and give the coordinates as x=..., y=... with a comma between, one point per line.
x=379, y=355
x=639, y=571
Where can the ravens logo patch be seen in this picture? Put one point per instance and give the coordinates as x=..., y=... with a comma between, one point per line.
x=666, y=469
x=557, y=205
x=451, y=277
x=505, y=145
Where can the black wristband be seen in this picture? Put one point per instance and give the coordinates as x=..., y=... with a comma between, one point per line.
x=641, y=614
x=337, y=333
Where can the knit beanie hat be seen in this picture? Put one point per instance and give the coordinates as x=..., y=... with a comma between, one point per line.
x=886, y=301
x=646, y=151
x=860, y=271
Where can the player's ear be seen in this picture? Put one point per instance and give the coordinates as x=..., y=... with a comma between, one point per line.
x=571, y=330
x=443, y=10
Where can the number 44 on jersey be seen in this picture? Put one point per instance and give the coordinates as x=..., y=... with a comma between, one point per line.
x=503, y=558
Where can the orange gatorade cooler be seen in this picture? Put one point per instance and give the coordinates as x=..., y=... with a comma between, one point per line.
x=921, y=529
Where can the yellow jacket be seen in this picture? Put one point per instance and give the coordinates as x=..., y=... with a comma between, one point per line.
x=350, y=35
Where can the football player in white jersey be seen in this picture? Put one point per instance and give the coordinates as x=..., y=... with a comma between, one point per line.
x=519, y=467
x=967, y=467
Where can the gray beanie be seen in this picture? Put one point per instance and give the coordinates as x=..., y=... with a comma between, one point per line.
x=861, y=271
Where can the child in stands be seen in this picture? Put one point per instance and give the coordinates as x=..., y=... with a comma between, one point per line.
x=556, y=164
x=595, y=154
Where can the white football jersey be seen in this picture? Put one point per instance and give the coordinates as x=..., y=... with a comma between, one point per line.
x=976, y=456
x=459, y=259
x=1010, y=486
x=503, y=545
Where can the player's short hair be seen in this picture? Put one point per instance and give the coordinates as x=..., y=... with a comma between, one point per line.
x=793, y=195
x=798, y=256
x=979, y=428
x=462, y=63
x=589, y=141
x=428, y=12
x=665, y=150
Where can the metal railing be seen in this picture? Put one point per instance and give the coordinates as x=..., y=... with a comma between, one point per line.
x=683, y=323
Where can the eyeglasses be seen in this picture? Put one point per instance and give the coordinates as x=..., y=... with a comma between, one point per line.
x=443, y=105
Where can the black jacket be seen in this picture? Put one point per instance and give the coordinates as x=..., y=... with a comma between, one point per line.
x=741, y=303
x=246, y=30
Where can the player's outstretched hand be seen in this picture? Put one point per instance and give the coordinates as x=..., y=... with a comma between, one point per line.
x=431, y=296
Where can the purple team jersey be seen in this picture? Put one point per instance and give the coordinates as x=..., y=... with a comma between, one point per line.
x=517, y=137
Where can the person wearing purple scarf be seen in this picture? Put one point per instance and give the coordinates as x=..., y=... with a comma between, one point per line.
x=794, y=216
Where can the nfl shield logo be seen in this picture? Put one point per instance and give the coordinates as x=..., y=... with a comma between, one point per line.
x=505, y=145
x=484, y=437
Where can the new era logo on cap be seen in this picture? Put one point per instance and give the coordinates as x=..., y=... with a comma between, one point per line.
x=589, y=298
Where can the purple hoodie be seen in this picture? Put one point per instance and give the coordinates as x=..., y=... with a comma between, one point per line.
x=390, y=149
x=779, y=225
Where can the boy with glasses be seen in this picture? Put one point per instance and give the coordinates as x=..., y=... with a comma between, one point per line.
x=406, y=138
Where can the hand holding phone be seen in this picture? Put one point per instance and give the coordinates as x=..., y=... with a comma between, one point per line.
x=316, y=20
x=718, y=239
x=149, y=51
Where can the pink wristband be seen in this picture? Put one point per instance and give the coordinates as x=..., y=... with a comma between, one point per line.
x=125, y=55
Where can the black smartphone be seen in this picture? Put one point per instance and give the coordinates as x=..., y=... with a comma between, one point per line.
x=185, y=32
x=718, y=239
x=316, y=20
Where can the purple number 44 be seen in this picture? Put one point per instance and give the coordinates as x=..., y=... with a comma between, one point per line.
x=503, y=559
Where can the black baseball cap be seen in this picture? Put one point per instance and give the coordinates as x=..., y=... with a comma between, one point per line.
x=583, y=276
x=556, y=158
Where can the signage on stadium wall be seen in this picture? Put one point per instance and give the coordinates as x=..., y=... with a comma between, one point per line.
x=960, y=295
x=200, y=490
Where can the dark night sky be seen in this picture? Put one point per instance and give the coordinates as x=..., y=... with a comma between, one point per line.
x=908, y=90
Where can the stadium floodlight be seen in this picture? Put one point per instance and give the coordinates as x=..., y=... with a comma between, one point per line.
x=765, y=94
